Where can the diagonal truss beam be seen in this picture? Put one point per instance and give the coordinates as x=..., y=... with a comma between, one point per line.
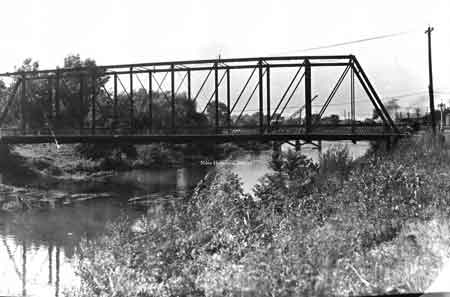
x=12, y=96
x=379, y=109
x=203, y=84
x=290, y=97
x=331, y=96
x=159, y=84
x=243, y=90
x=214, y=93
x=181, y=82
x=382, y=110
x=250, y=97
x=285, y=93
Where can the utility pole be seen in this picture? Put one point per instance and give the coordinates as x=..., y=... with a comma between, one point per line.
x=430, y=75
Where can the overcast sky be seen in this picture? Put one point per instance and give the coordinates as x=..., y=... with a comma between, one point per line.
x=119, y=31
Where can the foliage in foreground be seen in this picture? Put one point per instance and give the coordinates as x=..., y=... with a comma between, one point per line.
x=379, y=230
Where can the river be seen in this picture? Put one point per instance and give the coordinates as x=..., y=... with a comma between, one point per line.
x=37, y=247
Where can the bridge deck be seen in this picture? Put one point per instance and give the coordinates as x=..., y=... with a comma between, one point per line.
x=191, y=138
x=200, y=134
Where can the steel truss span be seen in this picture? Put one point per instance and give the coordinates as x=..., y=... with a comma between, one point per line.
x=55, y=93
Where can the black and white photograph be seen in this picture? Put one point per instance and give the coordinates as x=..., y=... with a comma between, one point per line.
x=212, y=148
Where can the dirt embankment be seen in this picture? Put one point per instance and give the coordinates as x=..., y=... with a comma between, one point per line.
x=31, y=173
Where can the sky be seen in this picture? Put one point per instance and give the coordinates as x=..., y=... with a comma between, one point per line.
x=119, y=31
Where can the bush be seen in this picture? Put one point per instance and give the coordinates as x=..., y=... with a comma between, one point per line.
x=294, y=237
x=101, y=151
x=337, y=162
x=293, y=179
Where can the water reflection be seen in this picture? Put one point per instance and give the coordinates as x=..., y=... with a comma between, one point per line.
x=37, y=247
x=29, y=264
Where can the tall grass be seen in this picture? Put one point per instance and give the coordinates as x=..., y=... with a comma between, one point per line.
x=381, y=229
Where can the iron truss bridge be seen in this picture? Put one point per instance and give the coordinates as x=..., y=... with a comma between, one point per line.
x=188, y=101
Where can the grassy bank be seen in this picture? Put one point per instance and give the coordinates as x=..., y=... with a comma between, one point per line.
x=377, y=225
x=74, y=161
x=43, y=175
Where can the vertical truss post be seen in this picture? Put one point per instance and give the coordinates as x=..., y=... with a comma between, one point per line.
x=308, y=114
x=150, y=101
x=115, y=115
x=189, y=96
x=261, y=97
x=228, y=101
x=22, y=105
x=216, y=96
x=131, y=100
x=93, y=99
x=50, y=97
x=57, y=95
x=268, y=97
x=352, y=98
x=172, y=91
x=81, y=103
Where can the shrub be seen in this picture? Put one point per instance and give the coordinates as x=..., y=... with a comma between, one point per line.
x=295, y=237
x=106, y=151
x=293, y=179
x=336, y=161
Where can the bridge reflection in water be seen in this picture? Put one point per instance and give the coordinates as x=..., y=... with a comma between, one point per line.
x=38, y=249
x=19, y=260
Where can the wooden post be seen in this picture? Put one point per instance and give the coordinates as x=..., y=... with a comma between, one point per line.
x=430, y=77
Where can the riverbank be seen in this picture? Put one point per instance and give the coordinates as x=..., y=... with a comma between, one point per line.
x=382, y=228
x=86, y=161
x=48, y=174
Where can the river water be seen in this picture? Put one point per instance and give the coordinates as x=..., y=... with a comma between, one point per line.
x=37, y=247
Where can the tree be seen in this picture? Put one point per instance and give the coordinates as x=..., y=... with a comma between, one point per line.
x=211, y=114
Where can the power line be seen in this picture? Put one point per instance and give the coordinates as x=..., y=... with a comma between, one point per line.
x=348, y=42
